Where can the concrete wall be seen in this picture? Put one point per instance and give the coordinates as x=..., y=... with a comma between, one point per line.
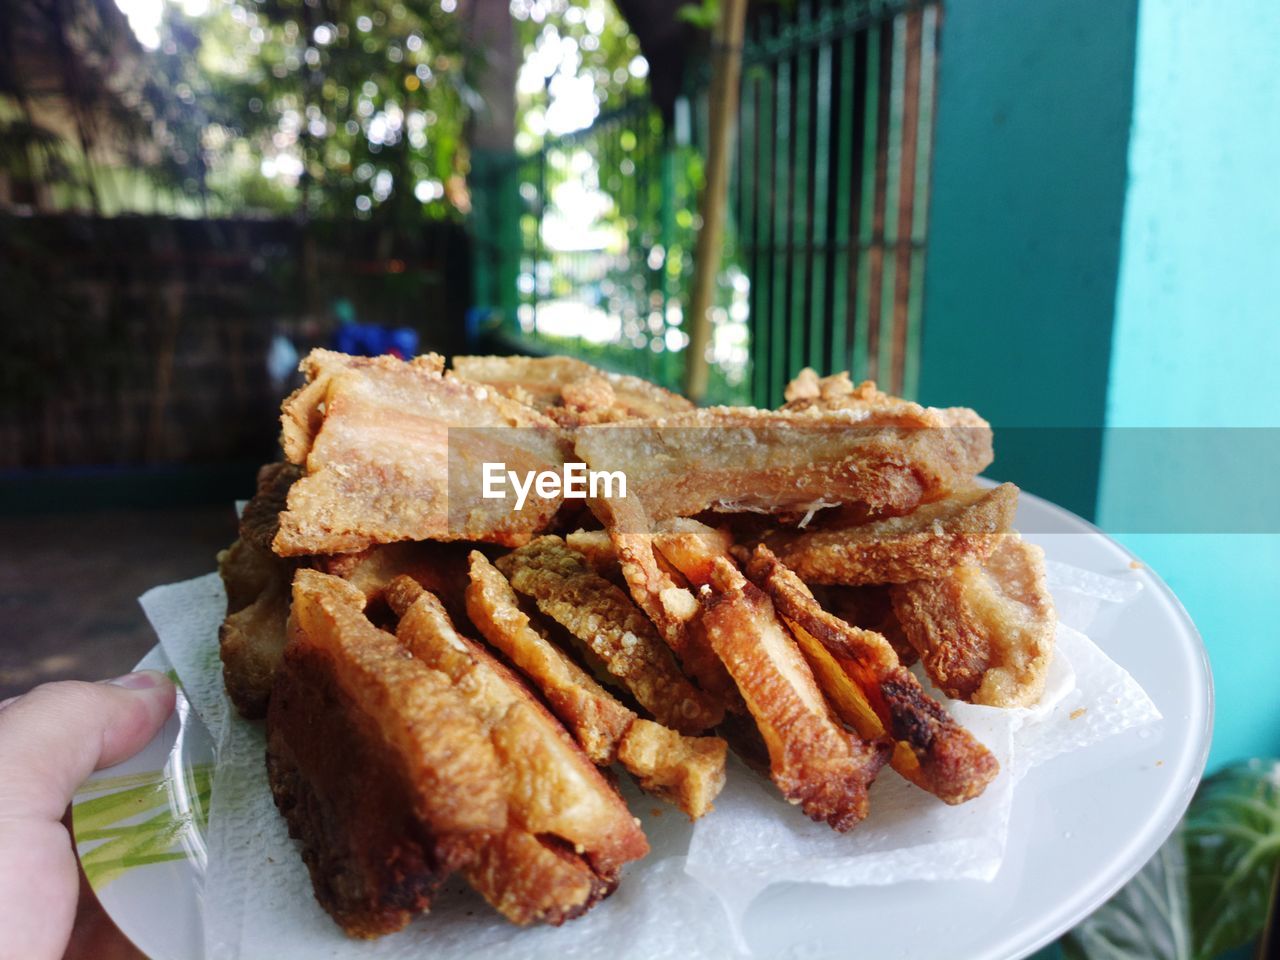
x=1024, y=235
x=1197, y=337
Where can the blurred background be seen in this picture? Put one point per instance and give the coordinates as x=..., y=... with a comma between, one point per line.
x=1061, y=213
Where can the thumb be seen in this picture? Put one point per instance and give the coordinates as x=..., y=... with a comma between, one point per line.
x=52, y=738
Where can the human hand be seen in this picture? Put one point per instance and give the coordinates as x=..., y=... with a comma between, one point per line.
x=51, y=739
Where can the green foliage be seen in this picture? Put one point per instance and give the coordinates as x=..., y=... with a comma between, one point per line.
x=703, y=15
x=1207, y=890
x=569, y=46
x=334, y=107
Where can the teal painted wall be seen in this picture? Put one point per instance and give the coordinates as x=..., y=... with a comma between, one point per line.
x=1034, y=104
x=1197, y=333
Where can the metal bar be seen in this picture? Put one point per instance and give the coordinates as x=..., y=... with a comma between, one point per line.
x=818, y=314
x=872, y=226
x=801, y=207
x=928, y=93
x=906, y=192
x=777, y=313
x=846, y=112
x=762, y=258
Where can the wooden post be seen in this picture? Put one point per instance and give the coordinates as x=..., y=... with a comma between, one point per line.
x=725, y=76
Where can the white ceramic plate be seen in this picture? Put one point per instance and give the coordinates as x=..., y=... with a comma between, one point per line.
x=1082, y=824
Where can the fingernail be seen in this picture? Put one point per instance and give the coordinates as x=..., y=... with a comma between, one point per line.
x=142, y=680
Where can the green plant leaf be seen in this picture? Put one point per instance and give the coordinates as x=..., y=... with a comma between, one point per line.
x=1149, y=919
x=1207, y=890
x=1232, y=838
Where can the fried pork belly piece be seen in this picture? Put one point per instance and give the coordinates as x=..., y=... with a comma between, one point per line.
x=969, y=432
x=260, y=519
x=596, y=547
x=871, y=608
x=730, y=459
x=933, y=751
x=569, y=832
x=251, y=639
x=571, y=391
x=813, y=760
x=922, y=545
x=438, y=567
x=374, y=436
x=379, y=766
x=565, y=588
x=688, y=771
x=593, y=715
x=662, y=592
x=984, y=633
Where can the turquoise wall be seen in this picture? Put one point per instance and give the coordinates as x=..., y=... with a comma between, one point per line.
x=1034, y=104
x=1197, y=335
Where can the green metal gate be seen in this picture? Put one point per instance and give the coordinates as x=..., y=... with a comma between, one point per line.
x=824, y=255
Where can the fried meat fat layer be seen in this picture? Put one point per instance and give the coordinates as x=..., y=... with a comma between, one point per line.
x=925, y=543
x=814, y=761
x=468, y=771
x=373, y=435
x=565, y=588
x=984, y=633
x=688, y=771
x=871, y=690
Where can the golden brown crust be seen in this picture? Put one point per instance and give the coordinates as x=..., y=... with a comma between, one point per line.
x=661, y=591
x=688, y=771
x=380, y=467
x=985, y=633
x=251, y=639
x=940, y=756
x=429, y=789
x=450, y=762
x=553, y=789
x=600, y=615
x=871, y=608
x=922, y=545
x=438, y=567
x=535, y=879
x=260, y=520
x=593, y=715
x=970, y=435
x=571, y=391
x=814, y=762
x=373, y=864
x=731, y=459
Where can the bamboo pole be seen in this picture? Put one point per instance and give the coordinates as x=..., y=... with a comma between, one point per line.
x=725, y=76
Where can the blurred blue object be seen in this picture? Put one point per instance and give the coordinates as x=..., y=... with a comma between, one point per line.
x=372, y=340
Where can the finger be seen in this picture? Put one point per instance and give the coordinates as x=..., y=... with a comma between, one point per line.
x=52, y=738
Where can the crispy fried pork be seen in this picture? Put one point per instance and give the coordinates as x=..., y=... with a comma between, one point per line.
x=813, y=760
x=260, y=519
x=251, y=639
x=969, y=433
x=429, y=789
x=984, y=633
x=871, y=608
x=689, y=771
x=933, y=751
x=921, y=545
x=374, y=437
x=730, y=459
x=601, y=616
x=571, y=391
x=577, y=831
